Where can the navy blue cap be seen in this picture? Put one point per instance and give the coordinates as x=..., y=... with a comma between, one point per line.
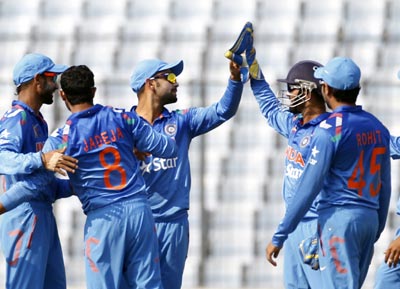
x=302, y=70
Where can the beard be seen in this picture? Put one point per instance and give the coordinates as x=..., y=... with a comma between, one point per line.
x=170, y=98
x=47, y=94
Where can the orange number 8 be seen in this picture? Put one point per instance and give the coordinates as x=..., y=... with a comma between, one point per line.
x=110, y=167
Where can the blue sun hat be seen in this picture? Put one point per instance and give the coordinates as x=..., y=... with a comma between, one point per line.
x=148, y=68
x=32, y=64
x=341, y=73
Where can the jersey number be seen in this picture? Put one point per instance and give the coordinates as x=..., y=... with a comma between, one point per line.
x=112, y=167
x=356, y=181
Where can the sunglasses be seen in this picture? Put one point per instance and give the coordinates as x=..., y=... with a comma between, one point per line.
x=169, y=76
x=51, y=74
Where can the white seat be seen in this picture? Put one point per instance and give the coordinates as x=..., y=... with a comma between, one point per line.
x=131, y=52
x=98, y=55
x=318, y=51
x=17, y=8
x=235, y=9
x=55, y=10
x=363, y=20
x=101, y=9
x=155, y=9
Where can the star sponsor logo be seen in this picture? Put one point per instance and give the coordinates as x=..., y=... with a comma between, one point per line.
x=157, y=164
x=292, y=172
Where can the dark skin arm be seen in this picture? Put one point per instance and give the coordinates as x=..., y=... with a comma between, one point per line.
x=56, y=161
x=392, y=253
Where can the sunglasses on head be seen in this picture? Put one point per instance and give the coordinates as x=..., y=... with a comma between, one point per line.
x=169, y=76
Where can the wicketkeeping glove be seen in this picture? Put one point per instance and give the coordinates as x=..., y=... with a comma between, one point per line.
x=309, y=251
x=236, y=52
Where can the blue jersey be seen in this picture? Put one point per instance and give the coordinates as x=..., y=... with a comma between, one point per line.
x=299, y=151
x=168, y=180
x=395, y=154
x=22, y=137
x=350, y=165
x=103, y=140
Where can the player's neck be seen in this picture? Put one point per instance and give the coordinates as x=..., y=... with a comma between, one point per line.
x=312, y=112
x=149, y=109
x=30, y=100
x=80, y=107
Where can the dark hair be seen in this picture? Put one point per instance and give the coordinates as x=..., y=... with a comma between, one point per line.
x=77, y=82
x=347, y=96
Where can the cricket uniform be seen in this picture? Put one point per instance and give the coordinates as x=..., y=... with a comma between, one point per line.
x=168, y=180
x=297, y=274
x=120, y=241
x=350, y=169
x=28, y=234
x=389, y=277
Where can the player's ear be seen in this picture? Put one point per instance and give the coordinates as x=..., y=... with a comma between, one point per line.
x=93, y=91
x=62, y=94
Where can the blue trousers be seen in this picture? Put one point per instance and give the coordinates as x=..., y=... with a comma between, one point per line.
x=173, y=241
x=121, y=248
x=298, y=275
x=31, y=246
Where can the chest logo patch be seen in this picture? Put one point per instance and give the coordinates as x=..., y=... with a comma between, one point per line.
x=170, y=129
x=305, y=141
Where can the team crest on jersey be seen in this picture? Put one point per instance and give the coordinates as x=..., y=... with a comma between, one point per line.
x=305, y=141
x=170, y=129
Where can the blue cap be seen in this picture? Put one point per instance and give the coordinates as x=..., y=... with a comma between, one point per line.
x=32, y=64
x=148, y=68
x=341, y=73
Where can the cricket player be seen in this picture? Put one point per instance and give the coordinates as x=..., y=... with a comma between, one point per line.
x=388, y=274
x=350, y=170
x=168, y=180
x=28, y=234
x=120, y=241
x=301, y=111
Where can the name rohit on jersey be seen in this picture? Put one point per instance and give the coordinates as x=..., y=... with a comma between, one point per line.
x=105, y=137
x=369, y=138
x=157, y=164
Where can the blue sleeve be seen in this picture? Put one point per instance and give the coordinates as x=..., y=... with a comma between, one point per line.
x=395, y=147
x=204, y=119
x=63, y=188
x=23, y=191
x=279, y=119
x=307, y=188
x=384, y=194
x=11, y=142
x=149, y=140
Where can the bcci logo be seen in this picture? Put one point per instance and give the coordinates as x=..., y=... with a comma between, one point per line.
x=170, y=129
x=305, y=141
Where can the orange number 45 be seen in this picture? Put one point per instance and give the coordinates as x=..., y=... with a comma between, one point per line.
x=356, y=181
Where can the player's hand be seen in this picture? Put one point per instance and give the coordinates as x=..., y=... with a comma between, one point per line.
x=392, y=253
x=56, y=161
x=2, y=209
x=235, y=71
x=272, y=253
x=141, y=156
